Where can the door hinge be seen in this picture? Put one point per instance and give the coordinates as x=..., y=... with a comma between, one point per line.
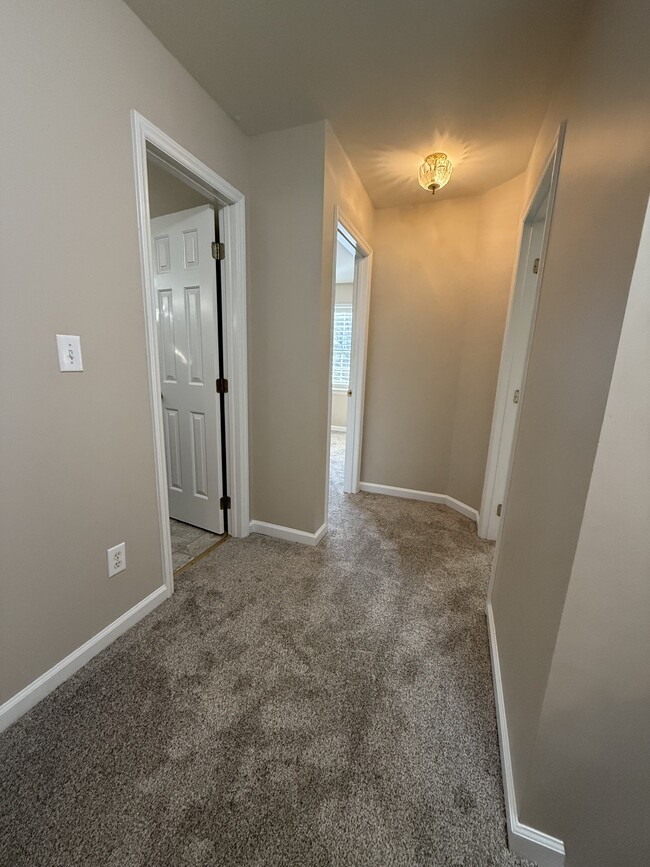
x=218, y=251
x=499, y=507
x=515, y=396
x=535, y=266
x=224, y=503
x=222, y=386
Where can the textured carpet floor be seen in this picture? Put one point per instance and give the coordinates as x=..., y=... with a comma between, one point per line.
x=288, y=706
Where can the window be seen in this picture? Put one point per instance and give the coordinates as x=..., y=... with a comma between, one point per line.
x=342, y=346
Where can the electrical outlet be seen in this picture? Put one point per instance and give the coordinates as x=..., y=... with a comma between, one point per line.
x=116, y=559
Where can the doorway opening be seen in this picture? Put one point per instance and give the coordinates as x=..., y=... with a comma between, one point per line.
x=188, y=302
x=192, y=248
x=516, y=344
x=349, y=339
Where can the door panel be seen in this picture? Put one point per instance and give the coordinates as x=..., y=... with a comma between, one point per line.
x=173, y=449
x=199, y=455
x=194, y=334
x=186, y=292
x=166, y=342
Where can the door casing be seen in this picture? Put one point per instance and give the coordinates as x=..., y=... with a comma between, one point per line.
x=493, y=491
x=150, y=142
x=360, y=320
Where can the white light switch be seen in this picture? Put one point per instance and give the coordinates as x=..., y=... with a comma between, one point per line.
x=69, y=348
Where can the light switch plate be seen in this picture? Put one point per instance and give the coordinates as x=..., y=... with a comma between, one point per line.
x=69, y=349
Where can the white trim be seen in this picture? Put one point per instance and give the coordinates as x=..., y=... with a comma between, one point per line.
x=288, y=533
x=546, y=185
x=148, y=139
x=20, y=703
x=427, y=496
x=338, y=427
x=535, y=845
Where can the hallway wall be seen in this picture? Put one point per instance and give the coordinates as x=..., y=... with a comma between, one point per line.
x=592, y=741
x=285, y=323
x=592, y=249
x=489, y=283
x=441, y=282
x=76, y=449
x=292, y=242
x=423, y=256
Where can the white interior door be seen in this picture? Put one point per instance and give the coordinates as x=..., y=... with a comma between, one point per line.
x=522, y=323
x=186, y=310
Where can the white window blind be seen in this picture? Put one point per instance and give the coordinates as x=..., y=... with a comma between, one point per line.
x=342, y=346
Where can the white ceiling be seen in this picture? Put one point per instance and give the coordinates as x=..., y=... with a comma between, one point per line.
x=397, y=79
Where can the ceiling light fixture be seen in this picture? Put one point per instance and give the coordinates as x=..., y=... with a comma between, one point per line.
x=435, y=172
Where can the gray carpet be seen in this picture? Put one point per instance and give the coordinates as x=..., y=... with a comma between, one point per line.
x=288, y=706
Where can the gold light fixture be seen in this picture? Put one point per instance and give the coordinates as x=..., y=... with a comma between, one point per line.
x=435, y=172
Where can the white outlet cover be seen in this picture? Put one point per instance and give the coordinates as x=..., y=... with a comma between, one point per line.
x=116, y=559
x=69, y=349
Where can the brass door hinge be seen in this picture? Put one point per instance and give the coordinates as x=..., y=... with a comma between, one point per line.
x=222, y=386
x=218, y=251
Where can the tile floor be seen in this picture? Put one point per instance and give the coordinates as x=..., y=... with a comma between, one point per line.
x=188, y=542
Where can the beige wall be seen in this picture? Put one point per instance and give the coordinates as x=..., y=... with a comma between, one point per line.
x=339, y=409
x=285, y=327
x=590, y=771
x=441, y=281
x=591, y=254
x=76, y=450
x=489, y=283
x=292, y=239
x=423, y=258
x=167, y=194
x=343, y=293
x=342, y=189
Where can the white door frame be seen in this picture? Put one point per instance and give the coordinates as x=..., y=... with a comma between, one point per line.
x=149, y=141
x=358, y=357
x=546, y=185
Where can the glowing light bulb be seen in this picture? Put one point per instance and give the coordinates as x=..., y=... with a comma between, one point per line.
x=435, y=172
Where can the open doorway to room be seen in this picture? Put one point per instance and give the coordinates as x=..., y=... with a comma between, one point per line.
x=350, y=308
x=192, y=245
x=341, y=356
x=516, y=344
x=188, y=303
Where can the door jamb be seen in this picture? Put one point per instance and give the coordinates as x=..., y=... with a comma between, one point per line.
x=360, y=322
x=488, y=500
x=148, y=139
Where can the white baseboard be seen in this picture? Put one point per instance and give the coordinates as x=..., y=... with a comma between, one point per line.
x=338, y=428
x=288, y=533
x=535, y=845
x=23, y=701
x=410, y=494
